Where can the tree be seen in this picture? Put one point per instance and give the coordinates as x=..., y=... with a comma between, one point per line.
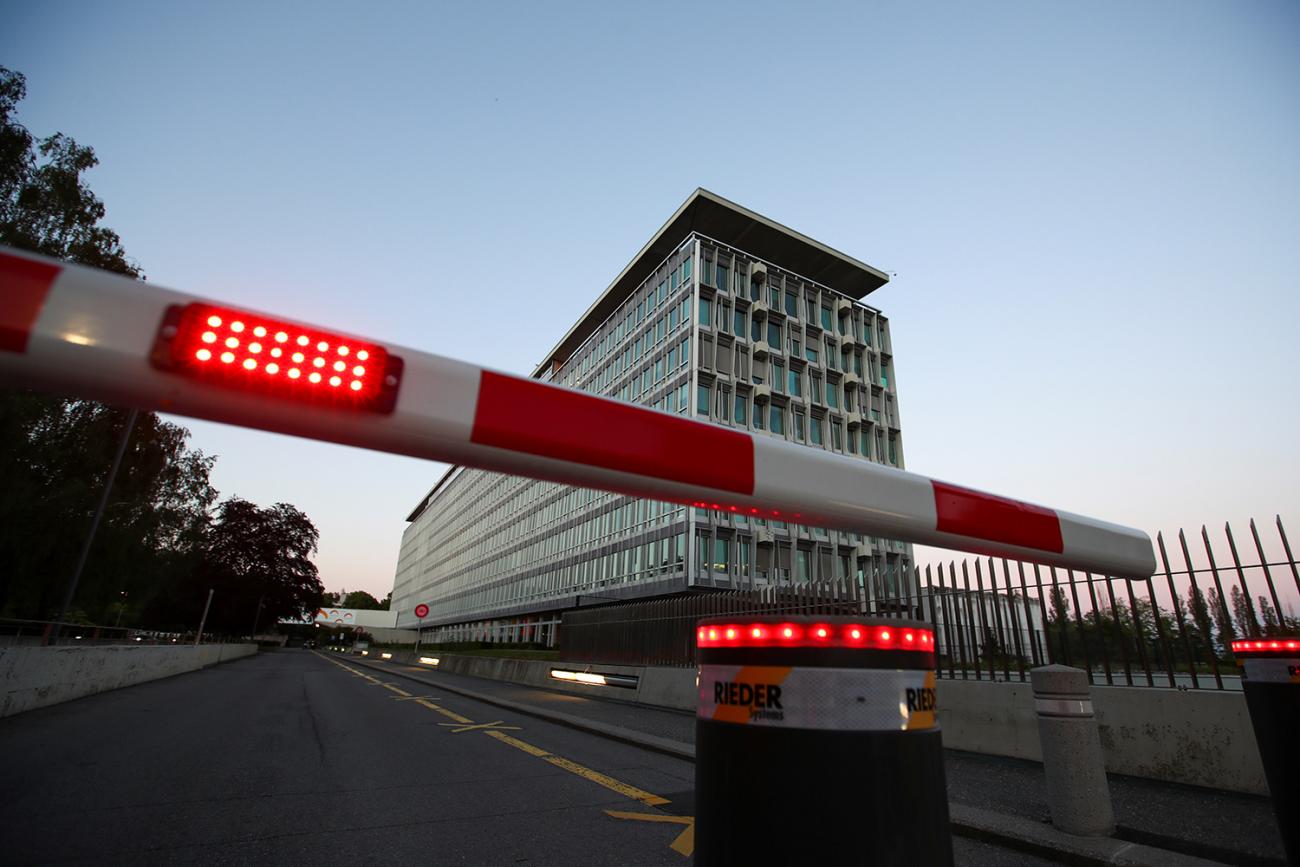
x=1243, y=612
x=1222, y=619
x=360, y=600
x=45, y=205
x=258, y=563
x=54, y=455
x=1269, y=615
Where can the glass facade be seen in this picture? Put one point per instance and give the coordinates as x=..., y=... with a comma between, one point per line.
x=750, y=346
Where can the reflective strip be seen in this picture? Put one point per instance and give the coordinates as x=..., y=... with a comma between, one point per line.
x=1275, y=670
x=964, y=512
x=843, y=699
x=1063, y=706
x=24, y=283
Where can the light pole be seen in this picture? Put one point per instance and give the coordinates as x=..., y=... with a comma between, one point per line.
x=204, y=619
x=94, y=524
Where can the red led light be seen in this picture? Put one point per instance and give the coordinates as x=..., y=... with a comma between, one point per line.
x=852, y=635
x=207, y=343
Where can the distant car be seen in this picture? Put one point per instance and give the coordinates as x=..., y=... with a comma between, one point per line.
x=309, y=644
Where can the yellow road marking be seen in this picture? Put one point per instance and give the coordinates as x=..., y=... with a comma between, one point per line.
x=447, y=713
x=478, y=726
x=396, y=689
x=685, y=842
x=586, y=773
x=416, y=697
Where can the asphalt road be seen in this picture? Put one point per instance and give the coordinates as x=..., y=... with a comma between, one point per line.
x=292, y=757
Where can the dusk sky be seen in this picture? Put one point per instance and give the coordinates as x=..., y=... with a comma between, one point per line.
x=1092, y=210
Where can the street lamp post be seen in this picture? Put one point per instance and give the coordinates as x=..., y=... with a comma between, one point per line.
x=94, y=524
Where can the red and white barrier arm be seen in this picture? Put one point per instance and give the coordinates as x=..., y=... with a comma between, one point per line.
x=80, y=331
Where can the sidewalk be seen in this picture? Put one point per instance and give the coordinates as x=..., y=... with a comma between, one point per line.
x=992, y=797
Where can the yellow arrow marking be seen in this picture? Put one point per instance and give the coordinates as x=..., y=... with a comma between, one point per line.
x=685, y=842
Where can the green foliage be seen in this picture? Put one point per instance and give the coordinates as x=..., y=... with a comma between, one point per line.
x=361, y=600
x=158, y=549
x=45, y=205
x=258, y=562
x=54, y=456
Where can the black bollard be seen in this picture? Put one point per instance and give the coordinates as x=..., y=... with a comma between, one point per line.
x=816, y=743
x=1271, y=681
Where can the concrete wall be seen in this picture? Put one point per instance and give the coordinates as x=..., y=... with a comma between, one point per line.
x=32, y=677
x=1200, y=737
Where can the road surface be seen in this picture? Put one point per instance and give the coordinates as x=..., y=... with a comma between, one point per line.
x=295, y=757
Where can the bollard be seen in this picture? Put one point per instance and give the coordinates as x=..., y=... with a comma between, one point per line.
x=1271, y=681
x=816, y=743
x=1077, y=792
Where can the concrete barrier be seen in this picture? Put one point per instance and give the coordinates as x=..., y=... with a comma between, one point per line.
x=1199, y=737
x=34, y=677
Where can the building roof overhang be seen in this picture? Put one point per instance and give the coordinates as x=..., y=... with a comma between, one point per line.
x=715, y=217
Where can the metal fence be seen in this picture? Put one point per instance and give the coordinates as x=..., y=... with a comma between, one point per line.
x=38, y=633
x=994, y=619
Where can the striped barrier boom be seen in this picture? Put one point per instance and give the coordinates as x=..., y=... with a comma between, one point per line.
x=76, y=330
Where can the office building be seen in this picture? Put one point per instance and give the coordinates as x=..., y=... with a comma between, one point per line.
x=724, y=316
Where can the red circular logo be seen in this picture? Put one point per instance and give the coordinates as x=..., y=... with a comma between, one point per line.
x=422, y=611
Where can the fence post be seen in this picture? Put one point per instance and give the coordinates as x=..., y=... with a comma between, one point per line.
x=1077, y=792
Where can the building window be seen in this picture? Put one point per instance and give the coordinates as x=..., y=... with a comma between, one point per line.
x=798, y=425
x=893, y=450
x=774, y=335
x=826, y=317
x=811, y=354
x=796, y=382
x=758, y=415
x=708, y=270
x=832, y=395
x=816, y=431
x=723, y=274
x=837, y=439
x=778, y=376
x=777, y=419
x=724, y=317
x=742, y=403
x=791, y=304
x=706, y=311
x=720, y=553
x=739, y=323
x=702, y=399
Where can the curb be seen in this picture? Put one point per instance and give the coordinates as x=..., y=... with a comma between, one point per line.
x=1012, y=832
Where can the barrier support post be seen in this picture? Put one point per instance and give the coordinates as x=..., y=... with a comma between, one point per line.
x=816, y=743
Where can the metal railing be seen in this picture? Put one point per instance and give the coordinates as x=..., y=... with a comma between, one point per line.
x=39, y=633
x=994, y=619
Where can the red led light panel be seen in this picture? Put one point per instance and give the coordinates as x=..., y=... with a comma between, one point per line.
x=817, y=635
x=252, y=352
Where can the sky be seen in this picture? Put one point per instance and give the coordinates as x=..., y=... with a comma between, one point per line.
x=1092, y=210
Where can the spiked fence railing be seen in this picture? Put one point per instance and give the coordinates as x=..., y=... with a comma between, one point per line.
x=995, y=619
